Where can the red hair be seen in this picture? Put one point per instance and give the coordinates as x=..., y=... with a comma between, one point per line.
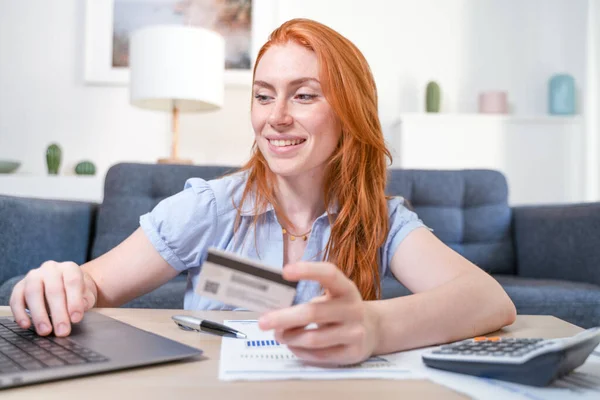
x=355, y=176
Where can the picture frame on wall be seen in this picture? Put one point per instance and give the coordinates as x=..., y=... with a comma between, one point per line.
x=108, y=24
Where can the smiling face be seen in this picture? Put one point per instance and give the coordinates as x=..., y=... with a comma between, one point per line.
x=296, y=129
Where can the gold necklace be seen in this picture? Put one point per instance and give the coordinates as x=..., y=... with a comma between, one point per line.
x=293, y=237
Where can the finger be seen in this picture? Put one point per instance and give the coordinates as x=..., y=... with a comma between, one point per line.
x=328, y=357
x=328, y=275
x=74, y=289
x=324, y=336
x=57, y=302
x=17, y=305
x=323, y=312
x=89, y=297
x=34, y=299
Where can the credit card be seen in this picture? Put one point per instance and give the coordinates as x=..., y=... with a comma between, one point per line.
x=245, y=283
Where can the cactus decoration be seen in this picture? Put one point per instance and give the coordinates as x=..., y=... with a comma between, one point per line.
x=432, y=98
x=53, y=158
x=85, y=168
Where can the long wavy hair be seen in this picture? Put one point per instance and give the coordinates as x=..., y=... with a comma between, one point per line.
x=355, y=176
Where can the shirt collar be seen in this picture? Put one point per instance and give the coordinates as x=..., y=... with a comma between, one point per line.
x=249, y=207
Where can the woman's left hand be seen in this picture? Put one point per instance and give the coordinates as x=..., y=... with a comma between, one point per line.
x=347, y=327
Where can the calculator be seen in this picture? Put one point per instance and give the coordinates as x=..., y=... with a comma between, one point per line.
x=529, y=361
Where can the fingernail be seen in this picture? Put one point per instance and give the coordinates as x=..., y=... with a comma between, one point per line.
x=76, y=316
x=62, y=329
x=42, y=328
x=23, y=323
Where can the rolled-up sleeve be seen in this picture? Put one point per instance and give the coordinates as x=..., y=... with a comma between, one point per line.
x=402, y=222
x=182, y=227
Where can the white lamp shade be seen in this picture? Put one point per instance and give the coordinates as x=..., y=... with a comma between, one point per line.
x=177, y=66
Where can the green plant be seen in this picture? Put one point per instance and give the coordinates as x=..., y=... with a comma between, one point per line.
x=432, y=98
x=85, y=168
x=53, y=158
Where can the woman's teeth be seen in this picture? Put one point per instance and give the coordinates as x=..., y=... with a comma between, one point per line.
x=283, y=143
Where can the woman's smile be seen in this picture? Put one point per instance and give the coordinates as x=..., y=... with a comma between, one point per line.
x=285, y=146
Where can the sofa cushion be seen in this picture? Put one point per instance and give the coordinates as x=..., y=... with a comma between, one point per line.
x=577, y=303
x=6, y=289
x=169, y=296
x=558, y=241
x=36, y=230
x=467, y=209
x=131, y=190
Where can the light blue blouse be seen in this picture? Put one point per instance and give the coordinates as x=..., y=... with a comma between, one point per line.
x=182, y=227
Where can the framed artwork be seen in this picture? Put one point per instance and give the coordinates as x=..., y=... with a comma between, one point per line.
x=245, y=25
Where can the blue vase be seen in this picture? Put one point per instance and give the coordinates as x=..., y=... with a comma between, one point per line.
x=561, y=95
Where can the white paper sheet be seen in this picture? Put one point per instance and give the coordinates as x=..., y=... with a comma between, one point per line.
x=583, y=383
x=240, y=360
x=260, y=357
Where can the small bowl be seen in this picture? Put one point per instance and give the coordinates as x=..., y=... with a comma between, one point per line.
x=8, y=166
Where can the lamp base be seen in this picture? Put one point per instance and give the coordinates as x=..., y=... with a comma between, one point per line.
x=174, y=161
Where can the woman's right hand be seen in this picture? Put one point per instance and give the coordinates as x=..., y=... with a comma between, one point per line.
x=60, y=289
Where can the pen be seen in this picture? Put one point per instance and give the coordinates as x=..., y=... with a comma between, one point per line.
x=188, y=323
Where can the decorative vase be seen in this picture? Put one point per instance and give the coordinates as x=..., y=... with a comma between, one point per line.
x=432, y=97
x=493, y=102
x=53, y=158
x=85, y=168
x=561, y=95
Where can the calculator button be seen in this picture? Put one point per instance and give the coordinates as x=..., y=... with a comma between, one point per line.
x=445, y=352
x=494, y=339
x=480, y=339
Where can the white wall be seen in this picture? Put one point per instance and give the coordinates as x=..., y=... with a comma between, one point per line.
x=43, y=99
x=592, y=99
x=466, y=45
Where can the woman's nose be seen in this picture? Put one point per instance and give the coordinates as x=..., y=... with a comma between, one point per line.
x=280, y=115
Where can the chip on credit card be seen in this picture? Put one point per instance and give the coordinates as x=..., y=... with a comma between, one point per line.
x=245, y=283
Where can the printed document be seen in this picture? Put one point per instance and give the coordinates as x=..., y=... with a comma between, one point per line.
x=261, y=357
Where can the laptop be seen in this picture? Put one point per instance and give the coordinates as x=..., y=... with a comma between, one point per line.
x=96, y=344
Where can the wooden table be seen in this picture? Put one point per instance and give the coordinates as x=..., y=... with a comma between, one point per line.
x=198, y=379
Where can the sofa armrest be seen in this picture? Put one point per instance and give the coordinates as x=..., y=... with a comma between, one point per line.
x=35, y=230
x=558, y=241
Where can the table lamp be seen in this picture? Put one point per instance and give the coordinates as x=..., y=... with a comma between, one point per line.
x=176, y=69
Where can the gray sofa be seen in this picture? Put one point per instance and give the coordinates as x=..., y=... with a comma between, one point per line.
x=546, y=257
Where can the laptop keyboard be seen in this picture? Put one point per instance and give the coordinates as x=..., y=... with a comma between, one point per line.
x=23, y=350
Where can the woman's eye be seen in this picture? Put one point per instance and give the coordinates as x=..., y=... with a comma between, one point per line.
x=261, y=98
x=306, y=97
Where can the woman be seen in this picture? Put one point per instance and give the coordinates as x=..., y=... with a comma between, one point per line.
x=313, y=190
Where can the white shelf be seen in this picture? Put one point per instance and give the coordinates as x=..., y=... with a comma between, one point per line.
x=495, y=118
x=73, y=187
x=541, y=156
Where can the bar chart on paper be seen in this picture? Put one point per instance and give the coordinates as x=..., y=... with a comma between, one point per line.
x=261, y=357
